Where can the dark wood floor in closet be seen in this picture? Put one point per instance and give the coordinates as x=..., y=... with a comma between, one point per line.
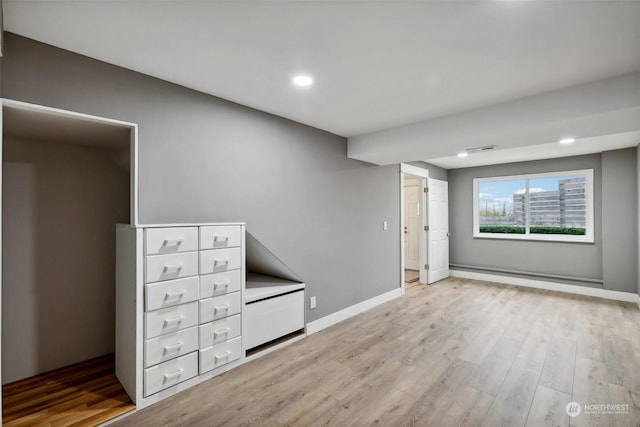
x=84, y=394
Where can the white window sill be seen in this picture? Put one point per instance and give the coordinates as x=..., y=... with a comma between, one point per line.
x=536, y=237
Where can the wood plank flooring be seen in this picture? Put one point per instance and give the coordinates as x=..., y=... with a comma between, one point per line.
x=411, y=276
x=84, y=394
x=457, y=353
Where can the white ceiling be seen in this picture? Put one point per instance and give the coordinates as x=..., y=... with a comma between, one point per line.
x=542, y=151
x=376, y=64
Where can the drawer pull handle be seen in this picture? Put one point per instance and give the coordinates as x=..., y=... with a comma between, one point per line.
x=217, y=238
x=224, y=331
x=224, y=285
x=226, y=307
x=224, y=355
x=178, y=319
x=177, y=373
x=169, y=348
x=217, y=262
x=174, y=294
x=173, y=268
x=176, y=242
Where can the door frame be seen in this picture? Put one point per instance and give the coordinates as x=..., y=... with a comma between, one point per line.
x=55, y=112
x=406, y=169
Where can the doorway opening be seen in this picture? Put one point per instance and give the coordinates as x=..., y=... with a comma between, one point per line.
x=413, y=239
x=67, y=179
x=413, y=229
x=424, y=231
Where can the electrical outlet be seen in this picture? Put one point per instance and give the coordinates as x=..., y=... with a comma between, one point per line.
x=385, y=225
x=312, y=302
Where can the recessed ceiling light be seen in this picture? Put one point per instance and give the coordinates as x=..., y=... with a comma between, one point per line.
x=567, y=140
x=302, y=81
x=463, y=154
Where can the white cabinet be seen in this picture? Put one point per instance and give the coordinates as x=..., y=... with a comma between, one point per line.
x=274, y=317
x=171, y=266
x=220, y=236
x=274, y=309
x=220, y=331
x=170, y=346
x=220, y=283
x=170, y=319
x=217, y=260
x=220, y=307
x=170, y=373
x=172, y=292
x=220, y=354
x=179, y=298
x=167, y=240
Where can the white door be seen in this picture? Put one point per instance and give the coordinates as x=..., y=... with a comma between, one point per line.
x=412, y=224
x=438, y=235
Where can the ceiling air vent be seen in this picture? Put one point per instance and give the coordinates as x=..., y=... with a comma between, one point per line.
x=481, y=149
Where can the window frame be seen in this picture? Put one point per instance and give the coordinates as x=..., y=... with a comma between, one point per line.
x=588, y=237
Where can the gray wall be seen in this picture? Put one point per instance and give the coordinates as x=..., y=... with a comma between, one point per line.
x=600, y=260
x=619, y=220
x=435, y=172
x=60, y=204
x=570, y=259
x=206, y=159
x=638, y=209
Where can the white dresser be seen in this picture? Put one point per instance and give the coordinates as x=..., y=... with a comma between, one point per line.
x=179, y=303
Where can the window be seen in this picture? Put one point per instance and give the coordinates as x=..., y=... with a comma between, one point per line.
x=547, y=206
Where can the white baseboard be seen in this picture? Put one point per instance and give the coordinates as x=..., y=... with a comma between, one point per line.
x=344, y=314
x=551, y=286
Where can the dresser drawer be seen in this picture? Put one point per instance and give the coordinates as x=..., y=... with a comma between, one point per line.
x=171, y=266
x=218, y=260
x=170, y=373
x=220, y=283
x=219, y=307
x=220, y=236
x=220, y=354
x=273, y=318
x=170, y=346
x=171, y=292
x=170, y=319
x=220, y=331
x=170, y=240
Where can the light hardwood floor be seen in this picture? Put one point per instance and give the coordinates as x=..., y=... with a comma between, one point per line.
x=411, y=275
x=84, y=394
x=456, y=353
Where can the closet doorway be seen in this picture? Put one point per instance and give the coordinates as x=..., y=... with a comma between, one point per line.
x=67, y=179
